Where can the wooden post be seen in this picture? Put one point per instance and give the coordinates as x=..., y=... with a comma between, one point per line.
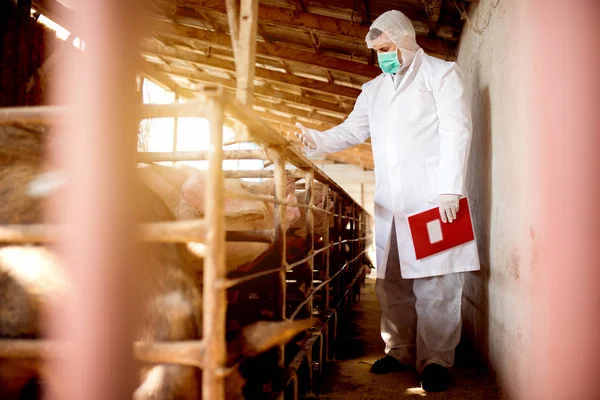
x=309, y=185
x=233, y=12
x=362, y=194
x=246, y=53
x=326, y=274
x=243, y=39
x=356, y=262
x=95, y=143
x=214, y=296
x=563, y=315
x=340, y=236
x=310, y=229
x=175, y=130
x=279, y=221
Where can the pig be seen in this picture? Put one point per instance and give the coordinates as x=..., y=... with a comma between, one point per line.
x=183, y=190
x=31, y=278
x=21, y=160
x=240, y=214
x=172, y=284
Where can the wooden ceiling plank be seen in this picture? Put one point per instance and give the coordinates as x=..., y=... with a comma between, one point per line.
x=310, y=20
x=258, y=90
x=274, y=76
x=149, y=71
x=298, y=112
x=290, y=121
x=274, y=50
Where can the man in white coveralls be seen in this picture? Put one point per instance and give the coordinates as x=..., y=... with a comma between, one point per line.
x=417, y=115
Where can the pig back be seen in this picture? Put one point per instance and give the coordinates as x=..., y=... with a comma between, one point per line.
x=21, y=152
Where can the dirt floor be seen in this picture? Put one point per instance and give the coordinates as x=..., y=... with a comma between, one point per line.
x=360, y=345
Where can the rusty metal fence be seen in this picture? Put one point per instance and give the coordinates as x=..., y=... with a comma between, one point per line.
x=341, y=254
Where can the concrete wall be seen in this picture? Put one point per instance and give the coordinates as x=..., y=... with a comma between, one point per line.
x=497, y=299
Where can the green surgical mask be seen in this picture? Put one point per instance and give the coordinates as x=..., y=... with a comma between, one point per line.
x=388, y=62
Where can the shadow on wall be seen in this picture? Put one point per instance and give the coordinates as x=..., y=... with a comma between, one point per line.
x=474, y=344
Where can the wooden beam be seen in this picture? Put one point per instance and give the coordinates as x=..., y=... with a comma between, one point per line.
x=149, y=71
x=361, y=155
x=152, y=48
x=245, y=60
x=233, y=12
x=204, y=77
x=290, y=121
x=360, y=12
x=290, y=4
x=293, y=111
x=243, y=29
x=310, y=20
x=273, y=50
x=433, y=9
x=60, y=51
x=334, y=27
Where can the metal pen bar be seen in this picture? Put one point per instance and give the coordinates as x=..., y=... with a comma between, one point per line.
x=354, y=246
x=297, y=310
x=345, y=217
x=237, y=281
x=269, y=199
x=286, y=267
x=214, y=296
x=340, y=237
x=307, y=258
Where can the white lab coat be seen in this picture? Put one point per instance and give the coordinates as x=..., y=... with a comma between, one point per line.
x=420, y=133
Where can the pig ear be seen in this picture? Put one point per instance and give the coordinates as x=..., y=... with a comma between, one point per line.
x=262, y=336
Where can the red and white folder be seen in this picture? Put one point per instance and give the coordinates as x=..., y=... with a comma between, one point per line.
x=432, y=236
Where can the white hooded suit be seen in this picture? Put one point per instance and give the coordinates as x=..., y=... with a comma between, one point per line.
x=419, y=123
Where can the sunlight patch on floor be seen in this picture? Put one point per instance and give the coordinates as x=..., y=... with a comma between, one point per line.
x=415, y=392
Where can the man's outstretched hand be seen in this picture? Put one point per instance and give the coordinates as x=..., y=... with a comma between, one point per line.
x=305, y=137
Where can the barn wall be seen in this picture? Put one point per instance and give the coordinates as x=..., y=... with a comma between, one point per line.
x=497, y=299
x=359, y=183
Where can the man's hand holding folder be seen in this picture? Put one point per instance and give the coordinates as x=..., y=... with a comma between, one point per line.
x=431, y=236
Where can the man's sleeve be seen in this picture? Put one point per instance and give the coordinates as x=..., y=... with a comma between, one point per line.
x=354, y=130
x=454, y=114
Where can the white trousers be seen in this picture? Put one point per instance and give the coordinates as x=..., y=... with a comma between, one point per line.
x=420, y=313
